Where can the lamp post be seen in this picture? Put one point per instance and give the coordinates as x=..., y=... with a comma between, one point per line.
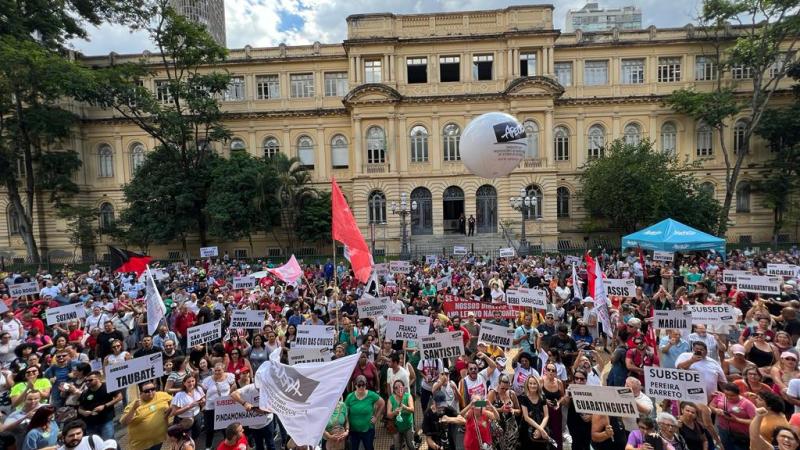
x=403, y=209
x=524, y=204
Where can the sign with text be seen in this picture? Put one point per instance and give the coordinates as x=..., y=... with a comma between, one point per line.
x=400, y=267
x=459, y=250
x=207, y=332
x=245, y=319
x=207, y=252
x=527, y=298
x=244, y=282
x=374, y=307
x=458, y=306
x=569, y=259
x=430, y=260
x=759, y=284
x=134, y=371
x=659, y=255
x=712, y=315
x=442, y=345
x=404, y=327
x=228, y=411
x=381, y=270
x=20, y=289
x=622, y=288
x=782, y=270
x=443, y=283
x=507, y=252
x=496, y=335
x=603, y=400
x=65, y=313
x=309, y=355
x=729, y=276
x=680, y=320
x=315, y=336
x=674, y=384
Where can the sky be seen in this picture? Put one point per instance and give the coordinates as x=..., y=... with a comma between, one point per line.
x=267, y=23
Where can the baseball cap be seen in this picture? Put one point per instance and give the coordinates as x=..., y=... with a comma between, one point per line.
x=737, y=349
x=440, y=399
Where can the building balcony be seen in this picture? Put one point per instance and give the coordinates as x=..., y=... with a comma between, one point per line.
x=532, y=163
x=376, y=168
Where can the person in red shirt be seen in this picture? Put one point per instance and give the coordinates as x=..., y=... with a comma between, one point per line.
x=183, y=321
x=456, y=326
x=234, y=438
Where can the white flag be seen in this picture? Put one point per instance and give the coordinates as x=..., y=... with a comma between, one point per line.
x=600, y=299
x=576, y=285
x=303, y=396
x=155, y=305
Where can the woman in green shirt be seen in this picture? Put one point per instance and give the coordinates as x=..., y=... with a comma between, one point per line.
x=401, y=410
x=336, y=431
x=364, y=407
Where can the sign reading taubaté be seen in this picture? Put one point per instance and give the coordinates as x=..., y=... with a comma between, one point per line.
x=314, y=336
x=759, y=284
x=496, y=335
x=207, y=332
x=245, y=319
x=404, y=327
x=603, y=400
x=134, y=371
x=65, y=313
x=20, y=289
x=442, y=345
x=674, y=384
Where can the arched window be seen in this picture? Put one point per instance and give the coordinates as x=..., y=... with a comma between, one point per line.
x=376, y=146
x=105, y=161
x=137, y=156
x=532, y=136
x=340, y=154
x=377, y=207
x=633, y=134
x=669, y=138
x=562, y=202
x=561, y=143
x=743, y=198
x=707, y=187
x=13, y=220
x=237, y=145
x=704, y=140
x=535, y=211
x=597, y=141
x=419, y=144
x=739, y=132
x=106, y=216
x=305, y=151
x=271, y=146
x=451, y=135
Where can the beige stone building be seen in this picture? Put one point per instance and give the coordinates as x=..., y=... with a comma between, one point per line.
x=382, y=113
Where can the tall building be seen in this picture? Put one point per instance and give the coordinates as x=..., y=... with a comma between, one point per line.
x=593, y=18
x=383, y=113
x=210, y=13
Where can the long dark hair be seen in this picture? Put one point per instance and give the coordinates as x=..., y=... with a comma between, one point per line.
x=41, y=417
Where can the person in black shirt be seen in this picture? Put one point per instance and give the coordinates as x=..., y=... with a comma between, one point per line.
x=105, y=338
x=439, y=423
x=96, y=407
x=147, y=347
x=546, y=331
x=565, y=345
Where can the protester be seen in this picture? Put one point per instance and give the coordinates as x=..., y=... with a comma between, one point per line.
x=364, y=408
x=147, y=418
x=400, y=410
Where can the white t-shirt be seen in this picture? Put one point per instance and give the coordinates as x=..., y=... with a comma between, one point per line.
x=12, y=327
x=475, y=387
x=217, y=389
x=99, y=444
x=521, y=375
x=95, y=322
x=250, y=394
x=392, y=376
x=182, y=399
x=793, y=390
x=430, y=370
x=710, y=370
x=643, y=401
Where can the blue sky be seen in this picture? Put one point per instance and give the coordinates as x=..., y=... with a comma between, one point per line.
x=262, y=23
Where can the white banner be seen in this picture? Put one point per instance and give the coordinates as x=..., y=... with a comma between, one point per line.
x=315, y=336
x=245, y=319
x=309, y=355
x=381, y=270
x=496, y=335
x=228, y=411
x=244, y=282
x=569, y=259
x=156, y=310
x=207, y=252
x=527, y=298
x=404, y=327
x=65, y=313
x=782, y=270
x=303, y=396
x=674, y=384
x=445, y=345
x=507, y=252
x=430, y=260
x=673, y=320
x=207, y=332
x=729, y=276
x=459, y=250
x=759, y=284
x=604, y=400
x=659, y=255
x=134, y=371
x=20, y=289
x=400, y=267
x=712, y=315
x=374, y=307
x=623, y=288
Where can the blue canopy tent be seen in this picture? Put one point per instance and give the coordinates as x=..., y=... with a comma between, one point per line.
x=670, y=236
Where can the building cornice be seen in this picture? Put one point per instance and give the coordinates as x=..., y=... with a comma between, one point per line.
x=318, y=112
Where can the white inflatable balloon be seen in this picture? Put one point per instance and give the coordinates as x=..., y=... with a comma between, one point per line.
x=493, y=145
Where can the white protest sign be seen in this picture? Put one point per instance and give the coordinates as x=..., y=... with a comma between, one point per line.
x=374, y=307
x=134, y=371
x=445, y=345
x=729, y=276
x=674, y=384
x=404, y=327
x=496, y=335
x=309, y=355
x=314, y=336
x=443, y=283
x=527, y=298
x=248, y=282
x=245, y=319
x=459, y=250
x=20, y=289
x=623, y=288
x=430, y=260
x=782, y=270
x=207, y=252
x=659, y=255
x=400, y=267
x=65, y=313
x=759, y=284
x=507, y=252
x=673, y=320
x=603, y=400
x=381, y=270
x=207, y=332
x=569, y=259
x=713, y=315
x=3, y=307
x=228, y=411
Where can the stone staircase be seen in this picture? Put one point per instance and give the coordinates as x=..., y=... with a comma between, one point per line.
x=482, y=244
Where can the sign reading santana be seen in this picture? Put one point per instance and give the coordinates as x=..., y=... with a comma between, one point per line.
x=459, y=306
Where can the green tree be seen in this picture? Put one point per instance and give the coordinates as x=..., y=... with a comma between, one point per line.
x=316, y=223
x=769, y=30
x=81, y=230
x=635, y=186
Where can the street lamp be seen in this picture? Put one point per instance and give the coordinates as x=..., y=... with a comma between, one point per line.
x=403, y=209
x=525, y=203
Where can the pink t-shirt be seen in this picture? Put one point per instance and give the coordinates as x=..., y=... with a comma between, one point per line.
x=743, y=409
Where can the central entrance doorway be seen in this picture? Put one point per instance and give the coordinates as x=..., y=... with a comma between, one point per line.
x=453, y=208
x=486, y=209
x=422, y=217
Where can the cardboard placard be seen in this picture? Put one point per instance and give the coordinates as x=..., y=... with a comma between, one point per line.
x=527, y=298
x=659, y=255
x=623, y=288
x=20, y=289
x=404, y=327
x=228, y=411
x=309, y=355
x=674, y=384
x=782, y=270
x=507, y=252
x=712, y=315
x=496, y=335
x=604, y=400
x=247, y=282
x=673, y=320
x=245, y=319
x=207, y=332
x=730, y=276
x=569, y=259
x=65, y=313
x=134, y=371
x=381, y=270
x=400, y=267
x=442, y=345
x=459, y=306
x=430, y=260
x=459, y=250
x=759, y=284
x=207, y=252
x=374, y=307
x=315, y=336
x=443, y=283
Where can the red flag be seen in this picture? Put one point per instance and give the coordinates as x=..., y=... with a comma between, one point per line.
x=590, y=274
x=127, y=261
x=345, y=230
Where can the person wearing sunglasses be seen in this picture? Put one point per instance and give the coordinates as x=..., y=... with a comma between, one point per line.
x=364, y=408
x=146, y=418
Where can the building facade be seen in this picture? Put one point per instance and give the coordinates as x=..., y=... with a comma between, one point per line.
x=210, y=13
x=383, y=111
x=593, y=18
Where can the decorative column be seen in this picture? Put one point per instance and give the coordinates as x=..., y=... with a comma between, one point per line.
x=321, y=164
x=434, y=144
x=358, y=150
x=548, y=138
x=391, y=144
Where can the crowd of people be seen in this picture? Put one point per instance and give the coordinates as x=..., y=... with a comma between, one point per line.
x=53, y=394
